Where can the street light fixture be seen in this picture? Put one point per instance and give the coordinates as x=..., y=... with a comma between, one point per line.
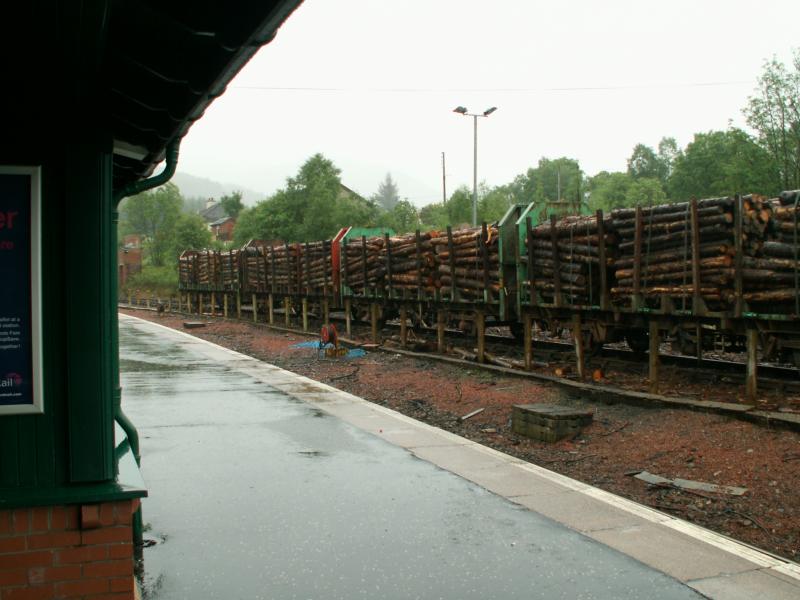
x=462, y=110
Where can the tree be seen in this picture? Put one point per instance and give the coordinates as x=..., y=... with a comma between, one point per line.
x=232, y=204
x=608, y=191
x=722, y=163
x=558, y=179
x=459, y=207
x=387, y=196
x=153, y=214
x=314, y=205
x=646, y=191
x=190, y=231
x=403, y=218
x=249, y=224
x=774, y=113
x=434, y=216
x=494, y=203
x=668, y=152
x=355, y=211
x=644, y=163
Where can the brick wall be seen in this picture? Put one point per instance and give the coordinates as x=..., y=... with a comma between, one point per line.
x=67, y=552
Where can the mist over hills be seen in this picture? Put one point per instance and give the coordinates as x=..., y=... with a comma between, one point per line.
x=192, y=186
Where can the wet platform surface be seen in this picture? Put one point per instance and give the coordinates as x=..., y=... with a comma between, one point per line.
x=264, y=484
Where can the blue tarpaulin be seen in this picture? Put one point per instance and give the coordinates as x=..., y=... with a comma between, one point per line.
x=352, y=353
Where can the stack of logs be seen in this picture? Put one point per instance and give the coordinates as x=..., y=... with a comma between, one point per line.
x=392, y=264
x=283, y=268
x=659, y=261
x=361, y=263
x=406, y=262
x=316, y=267
x=207, y=268
x=564, y=258
x=186, y=269
x=254, y=268
x=468, y=263
x=774, y=274
x=229, y=267
x=461, y=264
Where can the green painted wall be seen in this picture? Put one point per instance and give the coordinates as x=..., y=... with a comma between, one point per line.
x=72, y=442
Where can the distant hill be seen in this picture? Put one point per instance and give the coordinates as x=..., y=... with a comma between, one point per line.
x=192, y=186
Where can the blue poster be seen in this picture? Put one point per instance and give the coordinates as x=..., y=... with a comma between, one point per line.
x=20, y=372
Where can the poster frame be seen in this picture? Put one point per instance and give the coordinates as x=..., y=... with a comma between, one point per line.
x=35, y=174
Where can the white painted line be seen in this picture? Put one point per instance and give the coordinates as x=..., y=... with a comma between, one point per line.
x=759, y=558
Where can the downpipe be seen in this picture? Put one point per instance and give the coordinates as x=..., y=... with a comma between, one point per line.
x=137, y=187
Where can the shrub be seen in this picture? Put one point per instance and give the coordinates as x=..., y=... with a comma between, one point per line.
x=153, y=281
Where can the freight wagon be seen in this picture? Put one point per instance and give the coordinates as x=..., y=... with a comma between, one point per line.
x=718, y=271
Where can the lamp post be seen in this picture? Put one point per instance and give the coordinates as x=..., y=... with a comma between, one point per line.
x=462, y=110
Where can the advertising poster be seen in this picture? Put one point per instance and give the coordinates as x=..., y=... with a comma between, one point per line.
x=20, y=301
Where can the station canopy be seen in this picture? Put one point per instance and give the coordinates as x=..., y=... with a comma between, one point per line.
x=139, y=71
x=167, y=61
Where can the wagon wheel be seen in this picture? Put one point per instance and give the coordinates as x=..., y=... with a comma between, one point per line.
x=592, y=345
x=552, y=328
x=685, y=343
x=638, y=340
x=517, y=330
x=362, y=313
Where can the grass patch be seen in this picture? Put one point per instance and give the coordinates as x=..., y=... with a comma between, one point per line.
x=153, y=281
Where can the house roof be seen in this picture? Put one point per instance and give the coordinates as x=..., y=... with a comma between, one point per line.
x=221, y=221
x=213, y=212
x=351, y=192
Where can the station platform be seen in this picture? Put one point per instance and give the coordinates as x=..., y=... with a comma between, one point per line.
x=266, y=484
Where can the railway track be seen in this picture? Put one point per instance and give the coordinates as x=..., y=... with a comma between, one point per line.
x=588, y=389
x=772, y=377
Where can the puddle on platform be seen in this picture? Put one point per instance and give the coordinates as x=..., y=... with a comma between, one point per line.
x=313, y=453
x=129, y=365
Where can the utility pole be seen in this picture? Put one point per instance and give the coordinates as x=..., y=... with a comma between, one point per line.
x=444, y=183
x=463, y=111
x=475, y=173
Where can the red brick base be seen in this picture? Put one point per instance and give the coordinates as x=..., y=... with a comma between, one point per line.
x=67, y=552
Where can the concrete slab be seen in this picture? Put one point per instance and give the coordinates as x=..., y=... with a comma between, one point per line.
x=412, y=437
x=463, y=459
x=746, y=586
x=579, y=511
x=511, y=482
x=672, y=552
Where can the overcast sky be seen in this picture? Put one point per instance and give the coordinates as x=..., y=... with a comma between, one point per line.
x=371, y=84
